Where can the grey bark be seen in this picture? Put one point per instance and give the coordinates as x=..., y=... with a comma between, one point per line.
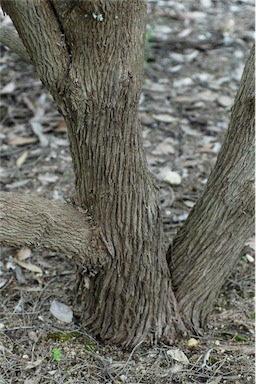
x=209, y=245
x=35, y=221
x=10, y=38
x=90, y=56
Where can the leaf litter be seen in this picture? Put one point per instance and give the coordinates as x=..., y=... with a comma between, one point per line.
x=197, y=53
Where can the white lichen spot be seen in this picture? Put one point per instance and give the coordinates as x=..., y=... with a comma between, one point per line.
x=98, y=17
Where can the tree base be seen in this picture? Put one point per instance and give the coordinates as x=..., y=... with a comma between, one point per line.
x=124, y=314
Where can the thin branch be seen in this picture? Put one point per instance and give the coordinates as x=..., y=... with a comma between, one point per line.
x=39, y=28
x=9, y=37
x=35, y=221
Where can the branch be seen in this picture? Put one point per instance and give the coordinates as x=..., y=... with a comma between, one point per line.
x=39, y=28
x=58, y=226
x=209, y=244
x=10, y=38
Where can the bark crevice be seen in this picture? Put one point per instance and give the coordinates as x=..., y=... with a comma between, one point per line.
x=97, y=90
x=95, y=77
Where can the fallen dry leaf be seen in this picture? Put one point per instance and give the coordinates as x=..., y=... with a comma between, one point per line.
x=9, y=88
x=38, y=130
x=186, y=32
x=19, y=275
x=19, y=140
x=29, y=267
x=216, y=380
x=61, y=126
x=17, y=184
x=61, y=311
x=164, y=118
x=21, y=160
x=2, y=282
x=225, y=101
x=251, y=243
x=33, y=364
x=35, y=380
x=189, y=203
x=194, y=15
x=177, y=355
x=24, y=253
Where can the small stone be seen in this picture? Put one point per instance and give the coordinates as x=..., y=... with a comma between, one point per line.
x=192, y=342
x=175, y=69
x=33, y=336
x=169, y=176
x=225, y=101
x=146, y=119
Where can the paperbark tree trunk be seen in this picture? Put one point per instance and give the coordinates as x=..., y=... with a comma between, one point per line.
x=90, y=54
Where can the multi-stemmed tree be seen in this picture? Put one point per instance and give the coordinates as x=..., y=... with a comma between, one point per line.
x=89, y=54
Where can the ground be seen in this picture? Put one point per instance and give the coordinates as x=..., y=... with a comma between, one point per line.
x=194, y=57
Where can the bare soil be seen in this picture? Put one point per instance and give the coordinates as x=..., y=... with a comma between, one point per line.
x=194, y=57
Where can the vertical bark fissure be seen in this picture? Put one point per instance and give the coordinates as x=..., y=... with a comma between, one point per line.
x=208, y=246
x=124, y=303
x=34, y=19
x=96, y=82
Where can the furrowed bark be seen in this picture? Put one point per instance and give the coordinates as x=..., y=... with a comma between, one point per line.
x=90, y=55
x=10, y=38
x=208, y=246
x=35, y=221
x=134, y=299
x=41, y=34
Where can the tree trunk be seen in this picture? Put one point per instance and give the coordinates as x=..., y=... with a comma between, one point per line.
x=91, y=59
x=208, y=246
x=90, y=56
